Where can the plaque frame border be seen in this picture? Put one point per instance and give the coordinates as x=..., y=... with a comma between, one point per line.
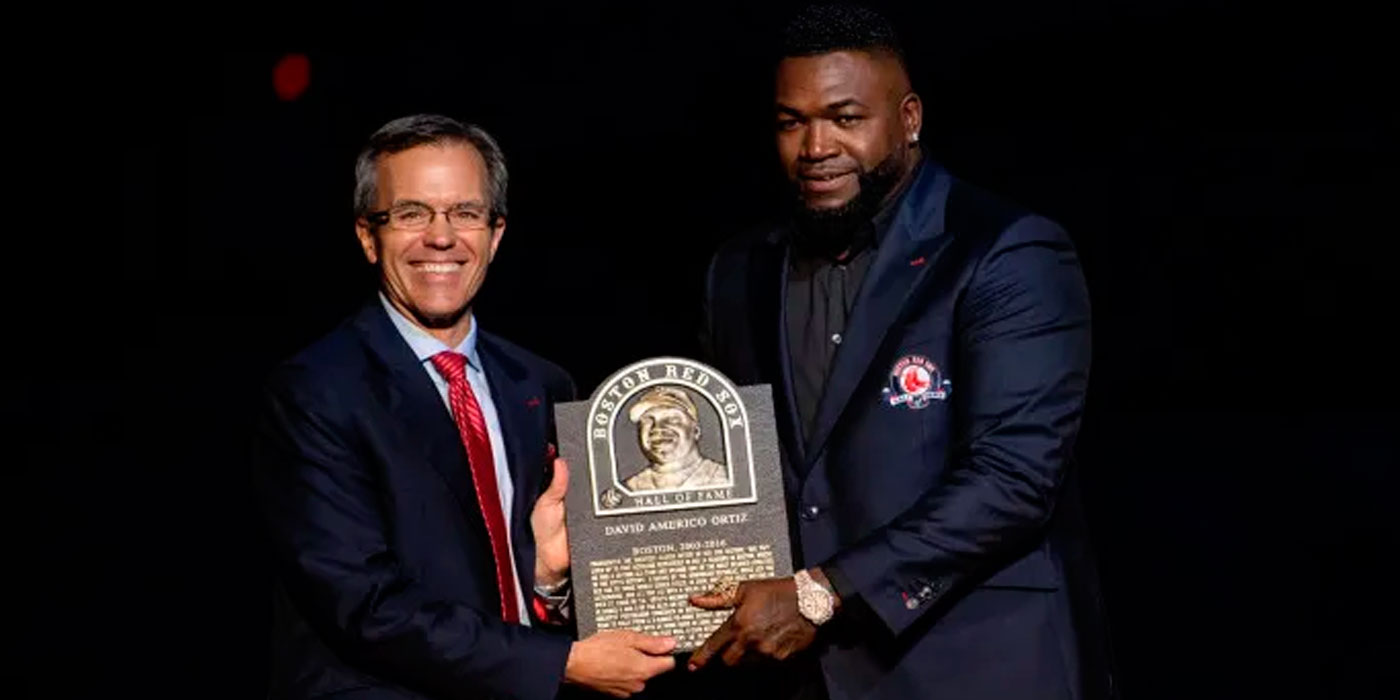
x=593, y=409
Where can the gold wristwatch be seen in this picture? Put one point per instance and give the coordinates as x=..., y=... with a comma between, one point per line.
x=814, y=601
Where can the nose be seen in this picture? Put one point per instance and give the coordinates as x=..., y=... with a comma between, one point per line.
x=439, y=235
x=817, y=142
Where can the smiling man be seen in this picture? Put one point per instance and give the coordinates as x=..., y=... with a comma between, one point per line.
x=414, y=508
x=928, y=346
x=668, y=431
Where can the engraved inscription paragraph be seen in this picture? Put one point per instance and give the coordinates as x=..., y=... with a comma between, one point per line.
x=649, y=592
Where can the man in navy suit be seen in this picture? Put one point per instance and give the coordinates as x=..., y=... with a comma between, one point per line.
x=414, y=507
x=928, y=344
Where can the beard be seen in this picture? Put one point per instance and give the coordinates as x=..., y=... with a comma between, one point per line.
x=830, y=232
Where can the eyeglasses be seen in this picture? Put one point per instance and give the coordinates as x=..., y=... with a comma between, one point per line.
x=413, y=217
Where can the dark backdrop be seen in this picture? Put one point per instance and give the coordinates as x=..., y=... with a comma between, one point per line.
x=1222, y=169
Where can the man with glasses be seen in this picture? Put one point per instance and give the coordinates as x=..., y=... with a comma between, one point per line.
x=413, y=503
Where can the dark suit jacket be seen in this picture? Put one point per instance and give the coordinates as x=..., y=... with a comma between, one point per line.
x=386, y=582
x=951, y=525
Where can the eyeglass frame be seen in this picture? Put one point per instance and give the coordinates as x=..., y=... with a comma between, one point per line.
x=382, y=217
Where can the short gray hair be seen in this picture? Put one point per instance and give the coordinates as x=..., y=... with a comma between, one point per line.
x=429, y=129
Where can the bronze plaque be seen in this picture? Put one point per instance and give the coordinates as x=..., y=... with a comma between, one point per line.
x=674, y=486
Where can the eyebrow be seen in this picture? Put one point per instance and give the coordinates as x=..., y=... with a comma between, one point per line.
x=839, y=104
x=471, y=203
x=849, y=102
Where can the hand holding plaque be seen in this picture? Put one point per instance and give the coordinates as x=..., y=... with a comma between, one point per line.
x=551, y=535
x=773, y=618
x=618, y=662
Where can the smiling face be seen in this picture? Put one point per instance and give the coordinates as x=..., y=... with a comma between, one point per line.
x=667, y=434
x=432, y=275
x=844, y=118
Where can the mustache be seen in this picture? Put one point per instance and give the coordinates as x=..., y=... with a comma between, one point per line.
x=811, y=172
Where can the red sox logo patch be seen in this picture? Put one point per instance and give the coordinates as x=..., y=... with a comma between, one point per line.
x=915, y=381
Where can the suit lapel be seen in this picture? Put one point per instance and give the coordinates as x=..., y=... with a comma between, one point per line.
x=412, y=399
x=519, y=400
x=904, y=258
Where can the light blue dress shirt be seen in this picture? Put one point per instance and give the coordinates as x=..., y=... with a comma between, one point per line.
x=424, y=347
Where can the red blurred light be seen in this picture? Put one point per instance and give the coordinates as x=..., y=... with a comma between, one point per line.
x=291, y=76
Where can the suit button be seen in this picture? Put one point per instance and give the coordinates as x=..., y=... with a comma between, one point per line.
x=810, y=512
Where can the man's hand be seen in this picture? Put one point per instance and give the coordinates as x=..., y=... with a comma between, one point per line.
x=551, y=534
x=619, y=662
x=765, y=622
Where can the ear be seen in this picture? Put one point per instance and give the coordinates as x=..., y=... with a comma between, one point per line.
x=367, y=243
x=498, y=231
x=911, y=112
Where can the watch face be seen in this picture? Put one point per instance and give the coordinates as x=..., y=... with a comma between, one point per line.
x=815, y=605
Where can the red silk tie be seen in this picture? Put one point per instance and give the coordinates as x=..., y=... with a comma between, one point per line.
x=472, y=426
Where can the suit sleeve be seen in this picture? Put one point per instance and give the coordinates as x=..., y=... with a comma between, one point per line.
x=1024, y=346
x=329, y=545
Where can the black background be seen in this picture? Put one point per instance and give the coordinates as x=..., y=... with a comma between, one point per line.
x=1223, y=171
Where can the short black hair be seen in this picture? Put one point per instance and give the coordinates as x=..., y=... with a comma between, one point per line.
x=422, y=130
x=819, y=29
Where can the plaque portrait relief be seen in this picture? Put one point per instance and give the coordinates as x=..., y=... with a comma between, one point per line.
x=668, y=432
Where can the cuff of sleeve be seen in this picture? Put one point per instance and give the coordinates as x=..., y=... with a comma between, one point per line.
x=558, y=590
x=854, y=616
x=895, y=600
x=552, y=605
x=839, y=583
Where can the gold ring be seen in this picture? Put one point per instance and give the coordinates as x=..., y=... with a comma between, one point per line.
x=727, y=588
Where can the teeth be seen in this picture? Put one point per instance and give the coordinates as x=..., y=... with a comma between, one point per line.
x=440, y=267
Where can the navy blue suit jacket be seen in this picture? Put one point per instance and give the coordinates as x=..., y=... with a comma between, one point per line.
x=386, y=582
x=951, y=525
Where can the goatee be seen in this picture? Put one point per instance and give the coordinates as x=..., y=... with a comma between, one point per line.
x=830, y=232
